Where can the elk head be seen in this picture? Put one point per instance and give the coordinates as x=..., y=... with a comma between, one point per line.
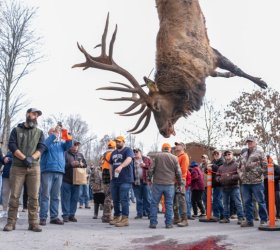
x=162, y=105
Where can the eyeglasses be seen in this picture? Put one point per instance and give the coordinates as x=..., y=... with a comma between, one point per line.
x=135, y=151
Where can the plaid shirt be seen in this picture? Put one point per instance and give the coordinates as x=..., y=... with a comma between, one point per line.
x=148, y=163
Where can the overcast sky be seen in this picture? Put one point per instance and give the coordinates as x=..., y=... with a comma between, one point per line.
x=245, y=31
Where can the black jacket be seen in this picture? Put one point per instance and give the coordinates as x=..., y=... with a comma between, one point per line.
x=215, y=167
x=276, y=178
x=69, y=158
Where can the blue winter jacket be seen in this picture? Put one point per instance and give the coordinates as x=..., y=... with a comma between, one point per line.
x=53, y=160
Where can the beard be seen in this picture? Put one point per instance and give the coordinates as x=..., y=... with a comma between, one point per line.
x=31, y=123
x=119, y=146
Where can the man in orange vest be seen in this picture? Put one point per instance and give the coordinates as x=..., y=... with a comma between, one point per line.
x=106, y=177
x=180, y=205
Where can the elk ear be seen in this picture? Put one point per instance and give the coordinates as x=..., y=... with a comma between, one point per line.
x=152, y=86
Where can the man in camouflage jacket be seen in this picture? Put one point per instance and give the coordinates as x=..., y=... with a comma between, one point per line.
x=253, y=165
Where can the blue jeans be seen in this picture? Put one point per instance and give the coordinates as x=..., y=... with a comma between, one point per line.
x=188, y=195
x=218, y=209
x=234, y=195
x=84, y=195
x=131, y=194
x=69, y=199
x=147, y=203
x=120, y=196
x=49, y=194
x=258, y=190
x=0, y=189
x=157, y=191
x=143, y=199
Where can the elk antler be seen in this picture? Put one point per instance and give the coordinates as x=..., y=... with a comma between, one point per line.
x=106, y=62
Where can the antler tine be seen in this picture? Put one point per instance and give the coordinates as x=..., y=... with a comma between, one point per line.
x=143, y=106
x=104, y=36
x=118, y=89
x=85, y=64
x=147, y=121
x=111, y=47
x=119, y=99
x=145, y=113
x=131, y=107
x=123, y=84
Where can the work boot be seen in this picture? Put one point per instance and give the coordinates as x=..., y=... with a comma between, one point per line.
x=96, y=208
x=9, y=227
x=106, y=219
x=123, y=222
x=65, y=219
x=246, y=224
x=43, y=222
x=176, y=220
x=56, y=221
x=183, y=223
x=240, y=220
x=225, y=220
x=35, y=228
x=73, y=219
x=115, y=220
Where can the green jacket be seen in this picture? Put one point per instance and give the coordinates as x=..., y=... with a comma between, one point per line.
x=27, y=140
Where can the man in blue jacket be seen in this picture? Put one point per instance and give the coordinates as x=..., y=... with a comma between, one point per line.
x=52, y=170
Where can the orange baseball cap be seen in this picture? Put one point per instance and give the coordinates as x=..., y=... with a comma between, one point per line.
x=166, y=146
x=111, y=144
x=120, y=138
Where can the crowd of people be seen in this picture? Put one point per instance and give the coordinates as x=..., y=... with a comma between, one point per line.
x=49, y=169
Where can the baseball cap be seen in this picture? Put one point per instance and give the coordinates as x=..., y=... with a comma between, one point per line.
x=111, y=144
x=166, y=146
x=227, y=151
x=250, y=138
x=193, y=164
x=180, y=143
x=34, y=110
x=204, y=156
x=215, y=151
x=120, y=138
x=76, y=143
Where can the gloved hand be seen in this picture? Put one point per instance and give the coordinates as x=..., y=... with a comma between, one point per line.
x=28, y=161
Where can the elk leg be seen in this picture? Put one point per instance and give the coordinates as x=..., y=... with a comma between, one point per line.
x=226, y=64
x=222, y=74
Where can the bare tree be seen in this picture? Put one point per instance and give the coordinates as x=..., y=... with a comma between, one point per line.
x=207, y=126
x=18, y=51
x=256, y=113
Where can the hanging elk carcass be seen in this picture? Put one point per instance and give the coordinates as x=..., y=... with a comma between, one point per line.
x=184, y=59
